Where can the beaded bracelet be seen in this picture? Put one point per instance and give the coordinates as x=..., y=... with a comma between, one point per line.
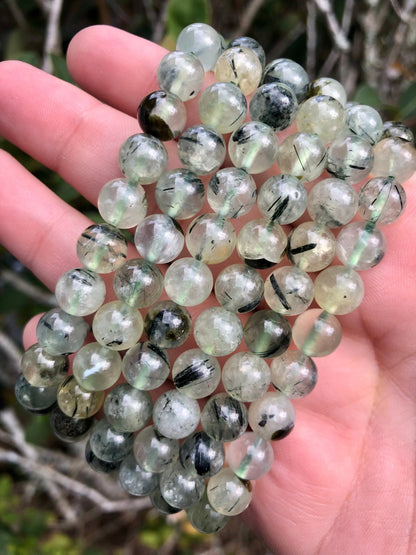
x=179, y=467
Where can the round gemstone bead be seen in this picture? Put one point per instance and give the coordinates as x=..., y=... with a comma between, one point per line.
x=288, y=290
x=332, y=202
x=109, y=445
x=217, y=331
x=210, y=238
x=316, y=332
x=201, y=149
x=203, y=41
x=339, y=290
x=240, y=66
x=102, y=248
x=67, y=429
x=188, y=282
x=117, y=326
x=204, y=518
x=311, y=247
x=394, y=157
x=175, y=415
x=290, y=73
x=201, y=455
x=302, y=155
x=142, y=158
x=160, y=504
x=381, y=200
x=329, y=87
x=246, y=376
x=274, y=104
x=293, y=374
x=180, y=488
x=250, y=456
x=322, y=115
x=223, y=107
x=146, y=366
x=162, y=114
x=272, y=416
x=253, y=147
x=122, y=204
x=127, y=409
x=80, y=292
x=398, y=130
x=282, y=199
x=365, y=122
x=181, y=73
x=134, y=479
x=159, y=239
x=196, y=374
x=42, y=369
x=96, y=367
x=153, y=451
x=251, y=44
x=32, y=398
x=228, y=494
x=224, y=418
x=360, y=245
x=267, y=333
x=167, y=324
x=97, y=464
x=231, y=192
x=261, y=243
x=138, y=283
x=239, y=288
x=77, y=402
x=350, y=158
x=180, y=194
x=59, y=333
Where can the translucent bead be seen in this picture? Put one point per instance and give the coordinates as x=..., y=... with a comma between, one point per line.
x=396, y=158
x=201, y=149
x=162, y=114
x=290, y=73
x=224, y=418
x=272, y=417
x=134, y=479
x=293, y=374
x=175, y=415
x=288, y=290
x=360, y=245
x=167, y=324
x=102, y=248
x=77, y=402
x=153, y=451
x=240, y=66
x=196, y=374
x=231, y=192
x=97, y=464
x=117, y=326
x=217, y=331
x=246, y=377
x=180, y=194
x=60, y=333
x=145, y=366
x=302, y=155
x=253, y=147
x=339, y=290
x=350, y=158
x=42, y=369
x=250, y=456
x=122, y=204
x=228, y=494
x=181, y=73
x=365, y=122
x=267, y=333
x=67, y=429
x=316, y=332
x=210, y=238
x=188, y=282
x=239, y=288
x=160, y=504
x=159, y=239
x=261, y=243
x=180, y=488
x=80, y=292
x=398, y=130
x=203, y=41
x=282, y=199
x=32, y=398
x=142, y=158
x=108, y=445
x=381, y=200
x=96, y=367
x=332, y=202
x=138, y=283
x=251, y=44
x=311, y=247
x=201, y=455
x=223, y=107
x=322, y=115
x=204, y=518
x=274, y=104
x=127, y=409
x=328, y=87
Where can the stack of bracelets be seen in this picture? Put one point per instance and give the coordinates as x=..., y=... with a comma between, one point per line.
x=179, y=459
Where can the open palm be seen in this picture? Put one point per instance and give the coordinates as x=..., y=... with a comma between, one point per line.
x=344, y=480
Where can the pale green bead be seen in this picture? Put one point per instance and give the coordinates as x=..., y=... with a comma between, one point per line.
x=80, y=292
x=210, y=238
x=32, y=398
x=251, y=44
x=382, y=200
x=350, y=158
x=102, y=248
x=196, y=374
x=188, y=282
x=267, y=333
x=160, y=504
x=282, y=199
x=77, y=402
x=261, y=243
x=138, y=283
x=239, y=288
x=108, y=445
x=365, y=122
x=127, y=409
x=142, y=158
x=203, y=41
x=290, y=73
x=179, y=487
x=288, y=290
x=96, y=367
x=361, y=245
x=293, y=374
x=122, y=204
x=246, y=376
x=204, y=518
x=117, y=326
x=60, y=333
x=316, y=332
x=272, y=416
x=398, y=130
x=250, y=456
x=97, y=464
x=68, y=429
x=201, y=455
x=332, y=202
x=224, y=418
x=253, y=147
x=339, y=290
x=322, y=115
x=217, y=331
x=42, y=369
x=134, y=479
x=222, y=106
x=181, y=73
x=394, y=157
x=231, y=192
x=146, y=366
x=201, y=149
x=159, y=239
x=240, y=66
x=167, y=324
x=180, y=194
x=311, y=247
x=302, y=155
x=328, y=87
x=175, y=415
x=153, y=451
x=228, y=494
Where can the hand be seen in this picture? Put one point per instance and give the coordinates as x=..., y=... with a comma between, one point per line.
x=344, y=479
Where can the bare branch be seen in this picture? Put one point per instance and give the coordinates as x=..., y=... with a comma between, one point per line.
x=13, y=353
x=286, y=41
x=53, y=35
x=311, y=39
x=17, y=14
x=32, y=291
x=248, y=17
x=338, y=36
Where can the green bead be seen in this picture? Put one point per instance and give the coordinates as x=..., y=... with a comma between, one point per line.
x=142, y=158
x=127, y=409
x=272, y=416
x=102, y=248
x=42, y=369
x=96, y=367
x=228, y=494
x=117, y=326
x=76, y=402
x=80, y=292
x=223, y=107
x=267, y=333
x=175, y=415
x=59, y=333
x=108, y=445
x=204, y=518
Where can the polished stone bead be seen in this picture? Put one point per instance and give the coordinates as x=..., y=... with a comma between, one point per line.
x=251, y=44
x=76, y=402
x=127, y=409
x=42, y=369
x=179, y=488
x=245, y=376
x=283, y=70
x=201, y=455
x=96, y=367
x=394, y=157
x=97, y=464
x=32, y=398
x=210, y=238
x=121, y=203
x=80, y=292
x=272, y=416
x=361, y=245
x=322, y=115
x=231, y=192
x=188, y=282
x=241, y=66
x=282, y=199
x=196, y=374
x=68, y=429
x=204, y=518
x=316, y=332
x=117, y=326
x=162, y=114
x=267, y=333
x=180, y=194
x=146, y=366
x=59, y=333
x=203, y=41
x=332, y=202
x=142, y=158
x=250, y=456
x=381, y=200
x=228, y=494
x=218, y=331
x=159, y=239
x=311, y=247
x=261, y=243
x=153, y=451
x=293, y=374
x=181, y=73
x=138, y=283
x=175, y=415
x=223, y=107
x=134, y=479
x=365, y=122
x=339, y=290
x=108, y=445
x=201, y=149
x=224, y=418
x=350, y=158
x=329, y=87
x=253, y=147
x=274, y=104
x=160, y=504
x=302, y=155
x=102, y=248
x=398, y=130
x=288, y=290
x=167, y=324
x=239, y=288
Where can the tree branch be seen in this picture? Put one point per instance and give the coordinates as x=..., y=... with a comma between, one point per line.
x=338, y=36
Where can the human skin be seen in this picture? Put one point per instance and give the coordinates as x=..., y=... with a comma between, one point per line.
x=344, y=480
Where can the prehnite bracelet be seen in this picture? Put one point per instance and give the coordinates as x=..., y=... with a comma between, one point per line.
x=179, y=467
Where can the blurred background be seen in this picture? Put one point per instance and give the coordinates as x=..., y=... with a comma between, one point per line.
x=50, y=503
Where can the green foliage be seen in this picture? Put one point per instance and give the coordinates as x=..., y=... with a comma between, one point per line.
x=365, y=94
x=407, y=103
x=184, y=12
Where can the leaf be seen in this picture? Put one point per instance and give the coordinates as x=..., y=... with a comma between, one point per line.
x=60, y=69
x=407, y=102
x=365, y=94
x=184, y=12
